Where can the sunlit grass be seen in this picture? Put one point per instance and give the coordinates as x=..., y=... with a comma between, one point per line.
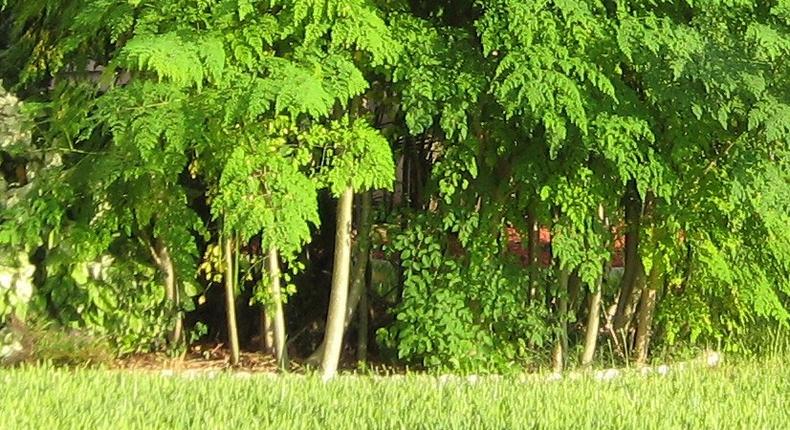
x=746, y=396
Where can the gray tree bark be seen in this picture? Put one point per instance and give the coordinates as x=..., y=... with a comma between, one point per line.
x=230, y=301
x=278, y=315
x=647, y=308
x=338, y=298
x=358, y=289
x=165, y=263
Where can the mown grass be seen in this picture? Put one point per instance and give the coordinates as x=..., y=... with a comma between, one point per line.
x=746, y=396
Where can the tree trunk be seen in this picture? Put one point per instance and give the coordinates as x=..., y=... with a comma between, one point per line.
x=632, y=301
x=357, y=290
x=267, y=331
x=230, y=301
x=647, y=307
x=633, y=214
x=561, y=346
x=279, y=317
x=593, y=322
x=165, y=263
x=333, y=337
x=594, y=305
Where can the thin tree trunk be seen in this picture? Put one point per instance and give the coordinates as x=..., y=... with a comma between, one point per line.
x=333, y=337
x=561, y=346
x=279, y=317
x=358, y=287
x=165, y=263
x=230, y=301
x=266, y=324
x=593, y=322
x=594, y=305
x=267, y=331
x=647, y=307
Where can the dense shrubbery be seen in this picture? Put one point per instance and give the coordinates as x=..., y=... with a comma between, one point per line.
x=173, y=149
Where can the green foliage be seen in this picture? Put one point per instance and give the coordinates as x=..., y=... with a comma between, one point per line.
x=264, y=188
x=458, y=312
x=359, y=157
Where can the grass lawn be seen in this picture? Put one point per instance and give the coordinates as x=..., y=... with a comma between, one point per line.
x=744, y=396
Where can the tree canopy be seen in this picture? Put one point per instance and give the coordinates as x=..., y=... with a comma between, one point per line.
x=654, y=133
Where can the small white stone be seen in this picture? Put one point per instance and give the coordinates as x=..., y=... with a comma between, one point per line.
x=663, y=369
x=554, y=376
x=472, y=379
x=713, y=359
x=607, y=375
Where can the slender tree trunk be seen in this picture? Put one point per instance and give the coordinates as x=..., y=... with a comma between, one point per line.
x=647, y=307
x=333, y=338
x=230, y=301
x=561, y=346
x=357, y=290
x=165, y=263
x=594, y=305
x=267, y=331
x=650, y=288
x=279, y=317
x=593, y=322
x=266, y=323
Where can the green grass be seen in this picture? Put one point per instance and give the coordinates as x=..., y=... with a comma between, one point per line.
x=746, y=396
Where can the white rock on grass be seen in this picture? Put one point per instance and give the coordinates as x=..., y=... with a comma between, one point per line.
x=713, y=358
x=554, y=376
x=607, y=375
x=444, y=379
x=662, y=369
